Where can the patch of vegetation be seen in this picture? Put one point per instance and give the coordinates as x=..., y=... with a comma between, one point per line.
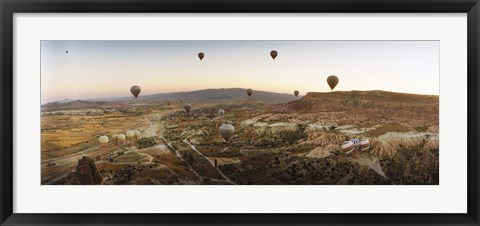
x=145, y=142
x=392, y=127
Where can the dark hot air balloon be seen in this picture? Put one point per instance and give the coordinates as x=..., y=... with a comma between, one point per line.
x=135, y=90
x=201, y=55
x=249, y=92
x=187, y=107
x=273, y=54
x=296, y=93
x=332, y=81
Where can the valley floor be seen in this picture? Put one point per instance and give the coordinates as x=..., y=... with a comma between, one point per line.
x=270, y=146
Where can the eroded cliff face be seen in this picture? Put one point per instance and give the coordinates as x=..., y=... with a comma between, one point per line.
x=86, y=173
x=370, y=104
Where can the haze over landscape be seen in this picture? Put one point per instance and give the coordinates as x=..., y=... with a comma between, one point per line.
x=98, y=69
x=195, y=121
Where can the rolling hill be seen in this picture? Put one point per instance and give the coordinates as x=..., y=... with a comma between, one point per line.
x=215, y=96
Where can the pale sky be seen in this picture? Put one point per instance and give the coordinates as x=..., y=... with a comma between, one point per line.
x=96, y=69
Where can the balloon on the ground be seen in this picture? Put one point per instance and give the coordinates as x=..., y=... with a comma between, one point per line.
x=332, y=81
x=249, y=92
x=348, y=147
x=103, y=139
x=227, y=131
x=273, y=54
x=296, y=93
x=114, y=136
x=137, y=133
x=121, y=137
x=364, y=145
x=221, y=112
x=356, y=143
x=130, y=134
x=135, y=90
x=187, y=107
x=201, y=55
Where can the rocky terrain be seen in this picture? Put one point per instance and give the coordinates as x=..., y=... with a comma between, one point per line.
x=294, y=142
x=86, y=173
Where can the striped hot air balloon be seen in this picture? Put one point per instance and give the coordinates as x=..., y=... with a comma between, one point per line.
x=348, y=147
x=364, y=145
x=356, y=143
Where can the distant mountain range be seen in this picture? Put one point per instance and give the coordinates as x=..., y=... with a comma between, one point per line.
x=390, y=102
x=216, y=96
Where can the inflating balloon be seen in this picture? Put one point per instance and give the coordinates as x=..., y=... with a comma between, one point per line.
x=103, y=139
x=187, y=107
x=348, y=147
x=135, y=90
x=114, y=136
x=364, y=145
x=121, y=137
x=273, y=54
x=227, y=131
x=130, y=134
x=221, y=112
x=137, y=133
x=296, y=93
x=249, y=92
x=332, y=81
x=201, y=55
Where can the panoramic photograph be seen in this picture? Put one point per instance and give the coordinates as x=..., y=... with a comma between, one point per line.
x=231, y=112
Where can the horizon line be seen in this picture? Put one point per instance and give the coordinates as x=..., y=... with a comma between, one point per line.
x=126, y=96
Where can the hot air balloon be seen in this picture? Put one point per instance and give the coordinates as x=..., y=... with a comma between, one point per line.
x=332, y=81
x=137, y=133
x=249, y=92
x=296, y=93
x=221, y=112
x=227, y=131
x=273, y=54
x=201, y=55
x=66, y=51
x=114, y=136
x=364, y=145
x=135, y=90
x=121, y=137
x=103, y=139
x=130, y=134
x=348, y=147
x=356, y=143
x=187, y=107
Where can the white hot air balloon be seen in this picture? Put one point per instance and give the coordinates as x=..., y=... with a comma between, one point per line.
x=364, y=145
x=103, y=139
x=130, y=134
x=114, y=136
x=137, y=133
x=221, y=112
x=348, y=147
x=227, y=131
x=121, y=137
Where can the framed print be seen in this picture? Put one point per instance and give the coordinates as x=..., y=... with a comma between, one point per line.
x=230, y=112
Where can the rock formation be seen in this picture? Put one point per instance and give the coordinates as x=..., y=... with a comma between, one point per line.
x=86, y=173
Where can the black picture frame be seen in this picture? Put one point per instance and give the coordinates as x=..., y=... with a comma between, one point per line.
x=9, y=7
